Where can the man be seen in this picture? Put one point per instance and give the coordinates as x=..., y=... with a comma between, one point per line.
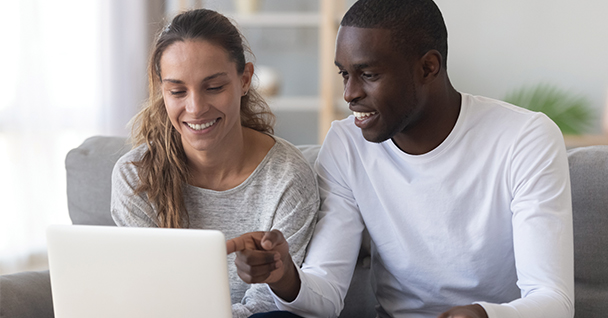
x=467, y=199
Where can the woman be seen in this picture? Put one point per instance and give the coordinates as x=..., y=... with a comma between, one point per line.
x=204, y=155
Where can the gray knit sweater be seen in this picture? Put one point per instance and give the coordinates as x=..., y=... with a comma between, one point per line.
x=280, y=194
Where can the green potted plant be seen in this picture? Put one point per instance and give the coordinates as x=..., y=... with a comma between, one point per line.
x=571, y=112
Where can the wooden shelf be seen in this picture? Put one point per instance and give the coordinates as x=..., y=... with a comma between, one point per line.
x=279, y=19
x=303, y=103
x=326, y=19
x=573, y=141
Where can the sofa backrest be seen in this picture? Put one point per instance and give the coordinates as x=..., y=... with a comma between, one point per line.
x=89, y=177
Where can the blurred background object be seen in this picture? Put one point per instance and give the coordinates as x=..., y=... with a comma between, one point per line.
x=73, y=69
x=605, y=117
x=247, y=6
x=267, y=81
x=571, y=112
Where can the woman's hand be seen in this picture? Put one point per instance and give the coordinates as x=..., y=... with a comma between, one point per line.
x=263, y=257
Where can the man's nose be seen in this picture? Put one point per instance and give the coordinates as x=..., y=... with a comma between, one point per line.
x=353, y=90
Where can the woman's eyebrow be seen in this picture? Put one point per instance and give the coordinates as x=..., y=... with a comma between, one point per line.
x=216, y=75
x=208, y=78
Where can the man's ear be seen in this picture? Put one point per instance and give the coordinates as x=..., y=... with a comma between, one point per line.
x=432, y=62
x=246, y=77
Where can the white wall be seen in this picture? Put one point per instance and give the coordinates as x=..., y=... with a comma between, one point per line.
x=496, y=46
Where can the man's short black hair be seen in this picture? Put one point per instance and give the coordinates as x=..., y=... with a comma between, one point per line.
x=416, y=26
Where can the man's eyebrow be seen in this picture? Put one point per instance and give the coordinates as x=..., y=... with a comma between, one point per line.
x=208, y=78
x=359, y=66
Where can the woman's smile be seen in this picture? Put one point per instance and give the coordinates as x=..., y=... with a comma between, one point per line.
x=204, y=126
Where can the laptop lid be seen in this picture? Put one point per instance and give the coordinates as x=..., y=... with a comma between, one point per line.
x=104, y=271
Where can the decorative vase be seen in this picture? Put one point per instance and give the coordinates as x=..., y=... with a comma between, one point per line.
x=247, y=6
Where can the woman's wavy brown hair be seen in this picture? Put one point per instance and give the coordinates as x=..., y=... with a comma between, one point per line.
x=163, y=169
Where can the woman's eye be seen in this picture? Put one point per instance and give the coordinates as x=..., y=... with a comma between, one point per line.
x=175, y=93
x=215, y=88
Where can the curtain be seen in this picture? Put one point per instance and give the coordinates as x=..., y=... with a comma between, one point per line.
x=70, y=69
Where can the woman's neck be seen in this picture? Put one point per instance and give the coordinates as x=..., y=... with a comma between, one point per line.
x=231, y=164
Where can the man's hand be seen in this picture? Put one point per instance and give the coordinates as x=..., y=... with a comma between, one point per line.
x=263, y=257
x=469, y=311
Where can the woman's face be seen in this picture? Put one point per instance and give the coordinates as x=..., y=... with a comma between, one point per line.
x=202, y=92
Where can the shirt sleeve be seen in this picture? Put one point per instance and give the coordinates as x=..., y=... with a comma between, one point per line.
x=542, y=225
x=328, y=268
x=295, y=217
x=128, y=208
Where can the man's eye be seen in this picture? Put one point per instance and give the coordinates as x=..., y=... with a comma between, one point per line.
x=369, y=75
x=344, y=74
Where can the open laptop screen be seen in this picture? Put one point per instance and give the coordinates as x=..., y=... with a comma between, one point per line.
x=103, y=271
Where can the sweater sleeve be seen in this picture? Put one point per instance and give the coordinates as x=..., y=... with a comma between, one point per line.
x=258, y=298
x=295, y=217
x=542, y=225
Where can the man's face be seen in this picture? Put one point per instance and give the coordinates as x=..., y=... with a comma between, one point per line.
x=380, y=83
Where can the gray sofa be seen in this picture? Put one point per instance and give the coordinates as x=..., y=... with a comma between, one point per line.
x=89, y=167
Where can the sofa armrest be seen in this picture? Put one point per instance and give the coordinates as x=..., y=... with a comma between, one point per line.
x=25, y=295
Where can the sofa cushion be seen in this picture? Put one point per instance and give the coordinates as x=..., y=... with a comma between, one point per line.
x=26, y=295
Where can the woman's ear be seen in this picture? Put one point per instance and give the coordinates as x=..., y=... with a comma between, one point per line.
x=246, y=78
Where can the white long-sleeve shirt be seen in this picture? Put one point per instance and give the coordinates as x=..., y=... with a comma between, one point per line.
x=485, y=217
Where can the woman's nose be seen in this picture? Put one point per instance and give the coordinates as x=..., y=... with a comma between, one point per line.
x=196, y=104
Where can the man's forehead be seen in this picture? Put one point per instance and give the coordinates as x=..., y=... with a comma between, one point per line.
x=362, y=45
x=364, y=35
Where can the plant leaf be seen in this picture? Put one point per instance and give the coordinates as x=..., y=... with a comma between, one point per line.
x=572, y=113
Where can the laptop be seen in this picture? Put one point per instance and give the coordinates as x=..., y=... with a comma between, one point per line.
x=106, y=271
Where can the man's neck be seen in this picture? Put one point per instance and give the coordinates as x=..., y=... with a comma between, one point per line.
x=434, y=127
